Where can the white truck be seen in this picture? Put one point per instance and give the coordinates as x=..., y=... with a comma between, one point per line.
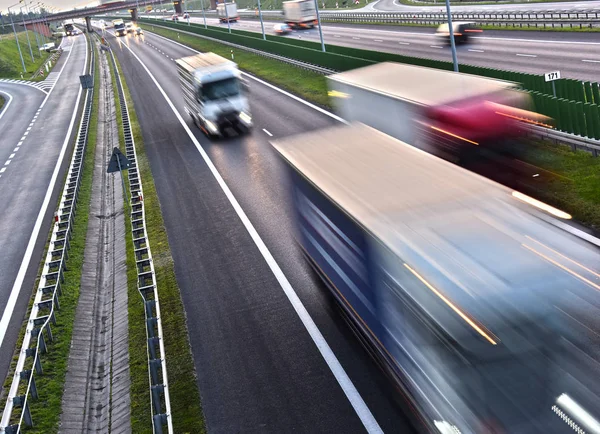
x=227, y=11
x=466, y=119
x=215, y=94
x=300, y=13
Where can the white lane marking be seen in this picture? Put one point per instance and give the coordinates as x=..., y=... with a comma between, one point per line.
x=16, y=289
x=57, y=77
x=7, y=162
x=23, y=138
x=591, y=61
x=31, y=124
x=25, y=133
x=20, y=143
x=404, y=43
x=476, y=51
x=526, y=55
x=12, y=155
x=435, y=46
x=270, y=135
x=16, y=149
x=5, y=108
x=360, y=407
x=29, y=128
x=355, y=37
x=275, y=88
x=3, y=170
x=336, y=36
x=377, y=40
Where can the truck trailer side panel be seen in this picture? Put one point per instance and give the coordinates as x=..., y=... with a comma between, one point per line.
x=337, y=247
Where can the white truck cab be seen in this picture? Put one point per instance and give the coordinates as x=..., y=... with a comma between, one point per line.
x=215, y=94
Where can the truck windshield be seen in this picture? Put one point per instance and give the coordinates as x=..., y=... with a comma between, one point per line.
x=220, y=89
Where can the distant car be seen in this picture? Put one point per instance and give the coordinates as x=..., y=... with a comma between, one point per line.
x=282, y=29
x=129, y=27
x=75, y=32
x=175, y=18
x=48, y=47
x=462, y=31
x=139, y=31
x=186, y=16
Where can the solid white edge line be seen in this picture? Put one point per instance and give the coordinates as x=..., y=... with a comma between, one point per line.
x=267, y=131
x=16, y=289
x=5, y=108
x=60, y=73
x=591, y=61
x=294, y=97
x=360, y=407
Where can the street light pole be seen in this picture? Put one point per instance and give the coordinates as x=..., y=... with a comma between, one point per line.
x=319, y=24
x=26, y=34
x=451, y=31
x=17, y=39
x=262, y=25
x=37, y=41
x=227, y=16
x=203, y=13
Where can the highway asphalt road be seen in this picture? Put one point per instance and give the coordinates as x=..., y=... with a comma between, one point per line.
x=575, y=55
x=396, y=6
x=258, y=368
x=36, y=140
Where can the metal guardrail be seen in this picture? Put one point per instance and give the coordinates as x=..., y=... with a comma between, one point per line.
x=146, y=279
x=54, y=58
x=298, y=63
x=574, y=141
x=46, y=299
x=553, y=18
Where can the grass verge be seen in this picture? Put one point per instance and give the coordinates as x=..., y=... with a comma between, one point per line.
x=307, y=84
x=577, y=190
x=185, y=397
x=46, y=410
x=10, y=61
x=1, y=102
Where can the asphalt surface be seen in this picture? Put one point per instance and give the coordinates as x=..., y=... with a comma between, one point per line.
x=258, y=370
x=30, y=148
x=575, y=55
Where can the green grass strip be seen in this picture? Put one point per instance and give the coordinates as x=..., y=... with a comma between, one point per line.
x=577, y=189
x=185, y=397
x=46, y=410
x=10, y=61
x=307, y=84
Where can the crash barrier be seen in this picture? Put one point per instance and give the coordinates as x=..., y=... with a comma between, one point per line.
x=146, y=278
x=45, y=68
x=338, y=58
x=578, y=18
x=46, y=303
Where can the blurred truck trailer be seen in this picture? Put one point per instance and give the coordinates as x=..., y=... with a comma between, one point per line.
x=300, y=13
x=456, y=283
x=227, y=11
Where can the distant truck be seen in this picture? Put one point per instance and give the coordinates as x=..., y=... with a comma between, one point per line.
x=300, y=13
x=449, y=279
x=69, y=28
x=119, y=27
x=214, y=93
x=466, y=119
x=231, y=13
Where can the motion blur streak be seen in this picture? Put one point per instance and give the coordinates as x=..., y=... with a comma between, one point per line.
x=579, y=413
x=568, y=270
x=541, y=205
x=563, y=256
x=452, y=306
x=453, y=135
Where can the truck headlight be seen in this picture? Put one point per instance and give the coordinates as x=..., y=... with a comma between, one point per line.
x=246, y=118
x=212, y=127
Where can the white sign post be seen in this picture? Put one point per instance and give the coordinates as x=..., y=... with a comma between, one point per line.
x=552, y=76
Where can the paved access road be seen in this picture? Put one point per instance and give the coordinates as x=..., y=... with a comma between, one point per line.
x=34, y=145
x=576, y=55
x=258, y=368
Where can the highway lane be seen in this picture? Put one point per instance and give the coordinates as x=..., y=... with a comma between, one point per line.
x=576, y=56
x=396, y=6
x=257, y=367
x=36, y=137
